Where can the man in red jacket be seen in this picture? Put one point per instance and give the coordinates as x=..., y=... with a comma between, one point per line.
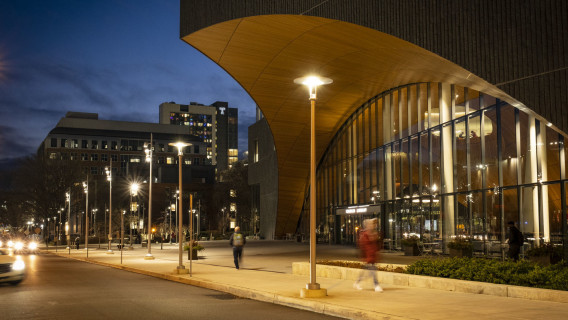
x=369, y=245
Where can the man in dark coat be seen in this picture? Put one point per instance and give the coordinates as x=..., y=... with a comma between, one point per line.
x=515, y=240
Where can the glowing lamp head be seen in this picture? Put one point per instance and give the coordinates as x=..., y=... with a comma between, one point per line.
x=134, y=188
x=179, y=145
x=312, y=82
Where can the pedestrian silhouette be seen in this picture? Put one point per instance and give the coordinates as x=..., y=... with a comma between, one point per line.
x=237, y=241
x=369, y=246
x=515, y=239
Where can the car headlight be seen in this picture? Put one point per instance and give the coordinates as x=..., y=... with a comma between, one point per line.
x=1, y=243
x=18, y=265
x=32, y=245
x=10, y=244
x=19, y=245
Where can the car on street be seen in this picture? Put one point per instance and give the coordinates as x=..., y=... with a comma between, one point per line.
x=22, y=246
x=12, y=269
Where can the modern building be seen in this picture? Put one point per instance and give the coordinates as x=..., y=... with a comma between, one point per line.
x=99, y=144
x=444, y=118
x=263, y=176
x=95, y=143
x=216, y=125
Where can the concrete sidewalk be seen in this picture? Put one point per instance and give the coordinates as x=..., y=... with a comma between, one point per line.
x=264, y=277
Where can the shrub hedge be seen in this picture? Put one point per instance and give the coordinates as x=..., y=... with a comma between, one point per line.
x=522, y=273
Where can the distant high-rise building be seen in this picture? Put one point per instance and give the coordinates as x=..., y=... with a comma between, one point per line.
x=216, y=125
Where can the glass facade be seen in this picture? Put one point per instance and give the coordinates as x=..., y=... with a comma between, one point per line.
x=440, y=161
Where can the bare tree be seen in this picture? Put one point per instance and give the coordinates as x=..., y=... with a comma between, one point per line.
x=40, y=185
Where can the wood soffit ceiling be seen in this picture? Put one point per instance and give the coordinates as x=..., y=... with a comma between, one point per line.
x=266, y=53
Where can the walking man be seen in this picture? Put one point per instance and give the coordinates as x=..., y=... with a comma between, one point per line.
x=368, y=243
x=237, y=241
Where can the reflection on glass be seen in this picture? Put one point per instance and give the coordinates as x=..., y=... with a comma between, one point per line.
x=373, y=161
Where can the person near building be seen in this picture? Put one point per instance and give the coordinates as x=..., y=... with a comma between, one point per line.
x=369, y=246
x=515, y=240
x=237, y=241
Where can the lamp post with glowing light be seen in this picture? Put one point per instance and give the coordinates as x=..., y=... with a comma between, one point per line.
x=95, y=225
x=122, y=234
x=86, y=189
x=108, y=171
x=313, y=289
x=180, y=145
x=190, y=249
x=149, y=150
x=68, y=224
x=133, y=192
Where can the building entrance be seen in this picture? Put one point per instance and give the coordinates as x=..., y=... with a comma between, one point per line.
x=350, y=222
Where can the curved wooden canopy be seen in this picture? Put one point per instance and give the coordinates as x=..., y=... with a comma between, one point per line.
x=266, y=53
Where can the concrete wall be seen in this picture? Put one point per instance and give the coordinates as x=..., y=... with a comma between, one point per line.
x=265, y=174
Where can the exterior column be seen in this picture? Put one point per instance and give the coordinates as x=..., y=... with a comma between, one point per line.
x=448, y=208
x=529, y=204
x=542, y=156
x=387, y=137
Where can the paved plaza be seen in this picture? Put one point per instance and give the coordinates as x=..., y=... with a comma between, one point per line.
x=266, y=275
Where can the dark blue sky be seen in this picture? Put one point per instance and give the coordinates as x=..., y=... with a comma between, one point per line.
x=118, y=58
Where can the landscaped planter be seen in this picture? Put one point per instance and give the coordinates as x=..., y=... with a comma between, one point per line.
x=411, y=250
x=544, y=260
x=194, y=254
x=460, y=253
x=418, y=281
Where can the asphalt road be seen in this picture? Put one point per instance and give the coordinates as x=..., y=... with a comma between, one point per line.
x=59, y=288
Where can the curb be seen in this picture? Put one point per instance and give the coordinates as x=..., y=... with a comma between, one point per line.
x=410, y=280
x=314, y=305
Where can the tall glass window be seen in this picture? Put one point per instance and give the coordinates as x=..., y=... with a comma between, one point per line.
x=440, y=161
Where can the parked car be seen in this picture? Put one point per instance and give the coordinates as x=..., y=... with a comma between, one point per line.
x=12, y=269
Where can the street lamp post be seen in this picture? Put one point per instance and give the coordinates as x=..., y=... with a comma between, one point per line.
x=86, y=189
x=59, y=229
x=133, y=192
x=55, y=232
x=46, y=236
x=313, y=289
x=180, y=146
x=68, y=227
x=170, y=224
x=190, y=232
x=108, y=171
x=149, y=150
x=122, y=234
x=176, y=208
x=96, y=225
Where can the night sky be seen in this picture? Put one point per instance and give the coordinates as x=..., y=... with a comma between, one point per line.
x=118, y=58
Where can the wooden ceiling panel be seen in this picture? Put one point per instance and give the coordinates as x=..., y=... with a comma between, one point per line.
x=266, y=53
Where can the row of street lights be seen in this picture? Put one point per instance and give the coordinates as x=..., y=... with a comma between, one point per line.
x=148, y=149
x=312, y=288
